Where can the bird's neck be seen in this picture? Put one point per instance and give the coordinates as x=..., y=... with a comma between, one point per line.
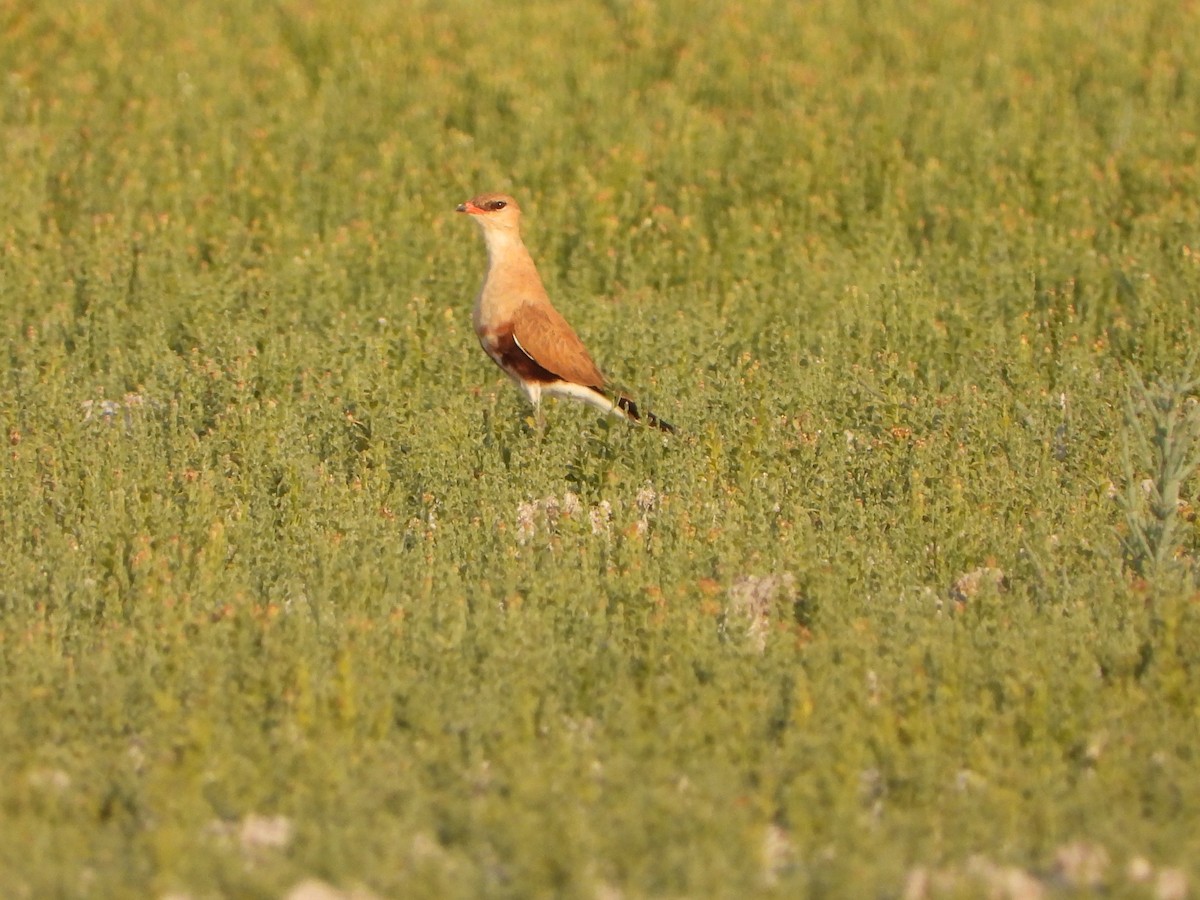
x=506, y=249
x=512, y=280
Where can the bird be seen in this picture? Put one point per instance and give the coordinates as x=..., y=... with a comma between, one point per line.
x=523, y=333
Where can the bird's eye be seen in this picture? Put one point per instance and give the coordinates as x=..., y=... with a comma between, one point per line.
x=497, y=204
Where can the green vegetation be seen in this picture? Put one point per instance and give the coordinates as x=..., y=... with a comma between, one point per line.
x=291, y=590
x=1168, y=448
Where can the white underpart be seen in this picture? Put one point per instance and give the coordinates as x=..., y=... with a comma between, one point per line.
x=571, y=391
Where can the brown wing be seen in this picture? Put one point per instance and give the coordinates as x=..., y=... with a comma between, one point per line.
x=549, y=341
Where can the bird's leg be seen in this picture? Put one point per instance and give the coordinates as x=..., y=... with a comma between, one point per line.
x=539, y=418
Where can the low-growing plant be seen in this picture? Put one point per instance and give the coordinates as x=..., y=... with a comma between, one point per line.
x=1160, y=452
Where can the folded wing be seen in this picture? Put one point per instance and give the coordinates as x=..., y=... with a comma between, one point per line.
x=546, y=338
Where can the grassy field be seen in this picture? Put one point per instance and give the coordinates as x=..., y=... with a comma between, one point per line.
x=294, y=598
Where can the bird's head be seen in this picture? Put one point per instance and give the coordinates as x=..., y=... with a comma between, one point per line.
x=493, y=212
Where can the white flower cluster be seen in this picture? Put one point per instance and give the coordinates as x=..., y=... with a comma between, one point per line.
x=752, y=600
x=110, y=412
x=544, y=514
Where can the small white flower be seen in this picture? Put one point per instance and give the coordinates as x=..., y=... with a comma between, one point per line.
x=778, y=854
x=1139, y=870
x=1171, y=884
x=1082, y=864
x=265, y=832
x=600, y=516
x=526, y=521
x=549, y=506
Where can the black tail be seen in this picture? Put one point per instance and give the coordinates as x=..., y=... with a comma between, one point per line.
x=630, y=409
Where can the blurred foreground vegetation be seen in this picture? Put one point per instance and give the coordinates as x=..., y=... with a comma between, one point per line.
x=291, y=594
